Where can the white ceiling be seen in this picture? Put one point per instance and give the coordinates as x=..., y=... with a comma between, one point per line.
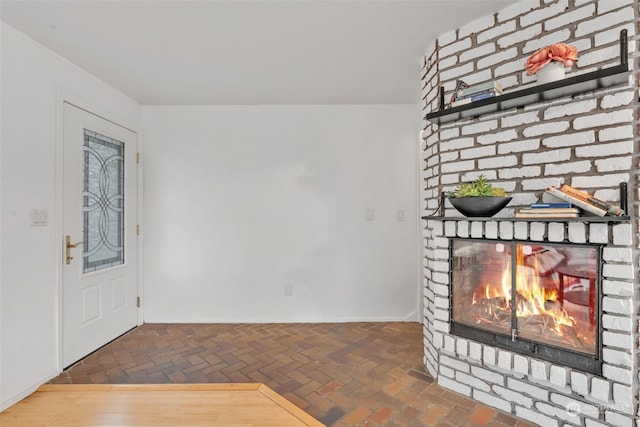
x=184, y=52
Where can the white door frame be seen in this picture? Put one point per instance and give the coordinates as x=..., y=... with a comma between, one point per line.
x=62, y=98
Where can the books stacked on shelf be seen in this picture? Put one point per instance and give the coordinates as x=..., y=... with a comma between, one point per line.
x=585, y=201
x=586, y=197
x=549, y=210
x=476, y=93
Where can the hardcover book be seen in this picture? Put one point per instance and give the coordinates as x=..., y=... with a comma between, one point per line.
x=544, y=211
x=545, y=215
x=473, y=98
x=551, y=205
x=578, y=202
x=476, y=94
x=493, y=85
x=586, y=197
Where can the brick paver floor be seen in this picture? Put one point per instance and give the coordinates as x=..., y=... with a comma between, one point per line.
x=343, y=374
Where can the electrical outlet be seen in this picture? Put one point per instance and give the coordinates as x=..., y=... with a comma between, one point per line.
x=288, y=289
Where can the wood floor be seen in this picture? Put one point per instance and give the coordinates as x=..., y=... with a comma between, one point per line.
x=342, y=374
x=175, y=405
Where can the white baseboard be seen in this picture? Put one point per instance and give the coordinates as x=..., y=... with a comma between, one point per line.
x=412, y=317
x=26, y=392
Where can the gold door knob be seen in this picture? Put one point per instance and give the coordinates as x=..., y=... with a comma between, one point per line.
x=68, y=247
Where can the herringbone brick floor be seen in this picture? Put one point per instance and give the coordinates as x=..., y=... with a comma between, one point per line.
x=345, y=374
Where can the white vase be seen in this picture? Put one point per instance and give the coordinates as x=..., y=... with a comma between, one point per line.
x=551, y=72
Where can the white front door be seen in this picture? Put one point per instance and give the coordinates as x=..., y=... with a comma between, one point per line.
x=100, y=254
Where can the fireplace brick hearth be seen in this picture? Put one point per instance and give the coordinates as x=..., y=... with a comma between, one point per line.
x=589, y=141
x=538, y=390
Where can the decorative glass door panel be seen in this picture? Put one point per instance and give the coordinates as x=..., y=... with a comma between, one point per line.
x=103, y=202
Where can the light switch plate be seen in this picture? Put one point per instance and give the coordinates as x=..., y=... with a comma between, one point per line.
x=369, y=214
x=39, y=217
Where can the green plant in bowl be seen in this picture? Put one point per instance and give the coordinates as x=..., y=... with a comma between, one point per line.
x=478, y=188
x=479, y=198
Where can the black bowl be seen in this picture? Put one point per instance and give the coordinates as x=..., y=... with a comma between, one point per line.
x=481, y=206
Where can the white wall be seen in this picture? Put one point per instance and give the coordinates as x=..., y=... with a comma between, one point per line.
x=240, y=201
x=30, y=82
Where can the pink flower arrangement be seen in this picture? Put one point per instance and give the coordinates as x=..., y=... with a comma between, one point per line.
x=561, y=52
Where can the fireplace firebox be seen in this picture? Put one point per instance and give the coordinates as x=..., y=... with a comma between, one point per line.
x=537, y=299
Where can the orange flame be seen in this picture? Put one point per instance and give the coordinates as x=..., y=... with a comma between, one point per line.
x=532, y=298
x=535, y=298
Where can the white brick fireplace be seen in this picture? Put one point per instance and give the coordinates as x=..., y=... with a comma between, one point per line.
x=589, y=141
x=535, y=389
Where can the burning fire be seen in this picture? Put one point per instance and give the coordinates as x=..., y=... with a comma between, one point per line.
x=534, y=293
x=532, y=299
x=536, y=299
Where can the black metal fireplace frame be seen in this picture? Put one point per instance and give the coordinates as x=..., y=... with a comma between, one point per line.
x=561, y=356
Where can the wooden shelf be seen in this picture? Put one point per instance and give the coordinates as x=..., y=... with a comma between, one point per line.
x=583, y=83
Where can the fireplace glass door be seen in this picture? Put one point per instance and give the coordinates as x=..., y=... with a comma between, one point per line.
x=542, y=294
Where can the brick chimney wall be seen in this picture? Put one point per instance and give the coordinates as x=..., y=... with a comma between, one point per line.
x=588, y=141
